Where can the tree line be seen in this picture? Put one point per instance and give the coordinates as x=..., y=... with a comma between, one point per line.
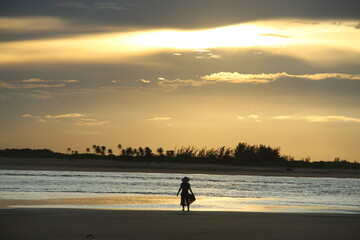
x=242, y=151
x=242, y=154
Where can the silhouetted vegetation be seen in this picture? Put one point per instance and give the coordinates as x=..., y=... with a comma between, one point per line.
x=27, y=152
x=243, y=154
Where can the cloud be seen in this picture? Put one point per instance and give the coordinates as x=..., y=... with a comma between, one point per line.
x=84, y=132
x=32, y=80
x=274, y=35
x=209, y=56
x=34, y=83
x=69, y=115
x=206, y=54
x=39, y=118
x=202, y=50
x=90, y=122
x=214, y=56
x=71, y=4
x=70, y=81
x=235, y=77
x=283, y=117
x=249, y=117
x=92, y=5
x=28, y=116
x=82, y=122
x=89, y=119
x=253, y=116
x=31, y=24
x=174, y=84
x=241, y=78
x=331, y=119
x=315, y=118
x=159, y=119
x=144, y=80
x=103, y=47
x=38, y=94
x=324, y=76
x=306, y=41
x=28, y=85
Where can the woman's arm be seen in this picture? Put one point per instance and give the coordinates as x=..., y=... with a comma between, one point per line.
x=178, y=191
x=191, y=191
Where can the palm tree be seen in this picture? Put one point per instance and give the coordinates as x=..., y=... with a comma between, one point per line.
x=187, y=152
x=97, y=150
x=220, y=152
x=141, y=152
x=160, y=151
x=69, y=150
x=148, y=152
x=119, y=146
x=110, y=152
x=239, y=151
x=103, y=149
x=94, y=147
x=129, y=151
x=87, y=150
x=170, y=153
x=202, y=153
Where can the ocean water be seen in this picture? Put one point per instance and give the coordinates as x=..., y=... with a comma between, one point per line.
x=214, y=192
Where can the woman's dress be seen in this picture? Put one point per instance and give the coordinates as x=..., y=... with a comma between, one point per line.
x=186, y=197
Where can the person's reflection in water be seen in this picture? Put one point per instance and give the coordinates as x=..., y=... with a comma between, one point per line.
x=185, y=195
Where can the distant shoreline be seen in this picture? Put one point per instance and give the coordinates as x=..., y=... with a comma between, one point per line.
x=101, y=165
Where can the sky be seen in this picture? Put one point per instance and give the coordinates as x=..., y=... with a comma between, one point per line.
x=172, y=73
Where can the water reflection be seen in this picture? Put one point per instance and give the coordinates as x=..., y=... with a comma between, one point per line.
x=214, y=192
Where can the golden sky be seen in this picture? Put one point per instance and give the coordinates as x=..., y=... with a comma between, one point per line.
x=179, y=73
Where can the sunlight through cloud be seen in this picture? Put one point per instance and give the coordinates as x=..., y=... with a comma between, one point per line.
x=314, y=118
x=159, y=119
x=69, y=115
x=288, y=37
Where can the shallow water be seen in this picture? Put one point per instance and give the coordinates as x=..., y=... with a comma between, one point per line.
x=214, y=192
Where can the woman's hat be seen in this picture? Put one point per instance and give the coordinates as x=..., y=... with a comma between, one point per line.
x=185, y=179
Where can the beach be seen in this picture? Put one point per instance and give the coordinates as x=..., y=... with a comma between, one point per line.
x=118, y=224
x=101, y=165
x=88, y=215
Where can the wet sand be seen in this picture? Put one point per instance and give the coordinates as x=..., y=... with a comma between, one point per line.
x=135, y=225
x=160, y=202
x=105, y=201
x=165, y=167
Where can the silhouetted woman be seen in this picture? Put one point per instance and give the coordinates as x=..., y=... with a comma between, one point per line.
x=185, y=196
